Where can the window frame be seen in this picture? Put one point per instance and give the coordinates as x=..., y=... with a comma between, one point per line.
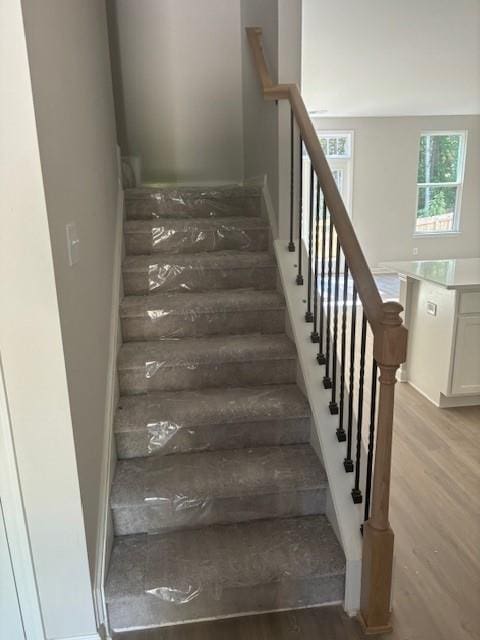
x=463, y=133
x=344, y=163
x=337, y=133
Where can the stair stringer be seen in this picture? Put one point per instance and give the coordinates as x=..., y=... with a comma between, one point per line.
x=345, y=517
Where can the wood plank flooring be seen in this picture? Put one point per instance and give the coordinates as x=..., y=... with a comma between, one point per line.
x=324, y=623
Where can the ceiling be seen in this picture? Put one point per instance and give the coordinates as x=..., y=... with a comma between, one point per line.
x=391, y=57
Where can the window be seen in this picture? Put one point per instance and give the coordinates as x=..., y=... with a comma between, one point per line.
x=338, y=149
x=441, y=164
x=335, y=145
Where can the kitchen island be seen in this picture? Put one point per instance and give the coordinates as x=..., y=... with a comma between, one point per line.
x=441, y=300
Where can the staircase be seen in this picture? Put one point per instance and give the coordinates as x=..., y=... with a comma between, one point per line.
x=218, y=500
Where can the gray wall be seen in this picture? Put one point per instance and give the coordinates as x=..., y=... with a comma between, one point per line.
x=260, y=118
x=384, y=187
x=69, y=61
x=178, y=87
x=391, y=58
x=30, y=335
x=289, y=71
x=187, y=96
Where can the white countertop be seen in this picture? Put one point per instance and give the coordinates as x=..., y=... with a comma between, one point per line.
x=458, y=273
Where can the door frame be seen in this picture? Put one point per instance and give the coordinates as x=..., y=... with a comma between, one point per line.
x=346, y=164
x=16, y=525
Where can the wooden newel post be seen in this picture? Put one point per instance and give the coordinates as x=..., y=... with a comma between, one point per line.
x=389, y=350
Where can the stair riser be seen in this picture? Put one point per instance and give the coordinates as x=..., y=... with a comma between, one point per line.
x=263, y=433
x=204, y=324
x=189, y=207
x=167, y=240
x=150, y=610
x=196, y=279
x=165, y=515
x=209, y=375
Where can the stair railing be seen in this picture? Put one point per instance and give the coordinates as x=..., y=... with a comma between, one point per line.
x=339, y=279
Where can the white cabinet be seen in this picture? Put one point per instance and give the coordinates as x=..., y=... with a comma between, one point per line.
x=466, y=366
x=443, y=360
x=441, y=299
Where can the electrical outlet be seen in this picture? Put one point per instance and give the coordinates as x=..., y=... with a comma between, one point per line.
x=431, y=308
x=73, y=244
x=415, y=251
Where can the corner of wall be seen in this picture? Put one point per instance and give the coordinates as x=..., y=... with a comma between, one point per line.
x=104, y=527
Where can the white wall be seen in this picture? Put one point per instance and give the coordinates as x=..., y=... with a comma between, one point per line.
x=68, y=51
x=391, y=57
x=178, y=87
x=32, y=353
x=384, y=187
x=260, y=117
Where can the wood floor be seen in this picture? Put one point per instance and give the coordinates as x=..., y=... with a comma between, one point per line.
x=325, y=623
x=435, y=514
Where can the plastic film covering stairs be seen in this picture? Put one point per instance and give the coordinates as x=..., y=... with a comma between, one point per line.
x=182, y=421
x=277, y=557
x=192, y=238
x=179, y=499
x=222, y=270
x=220, y=312
x=193, y=202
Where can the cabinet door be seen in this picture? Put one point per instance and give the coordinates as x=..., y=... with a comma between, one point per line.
x=466, y=367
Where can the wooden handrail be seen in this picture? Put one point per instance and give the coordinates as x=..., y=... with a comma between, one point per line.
x=389, y=351
x=361, y=274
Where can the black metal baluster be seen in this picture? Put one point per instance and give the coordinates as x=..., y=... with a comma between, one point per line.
x=291, y=244
x=321, y=353
x=356, y=492
x=308, y=313
x=371, y=436
x=314, y=336
x=348, y=462
x=341, y=435
x=327, y=381
x=300, y=213
x=333, y=406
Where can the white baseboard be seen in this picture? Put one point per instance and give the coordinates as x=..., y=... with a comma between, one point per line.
x=445, y=402
x=94, y=636
x=344, y=516
x=450, y=402
x=105, y=534
x=268, y=206
x=192, y=183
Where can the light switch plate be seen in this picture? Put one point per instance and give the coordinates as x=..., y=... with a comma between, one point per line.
x=73, y=244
